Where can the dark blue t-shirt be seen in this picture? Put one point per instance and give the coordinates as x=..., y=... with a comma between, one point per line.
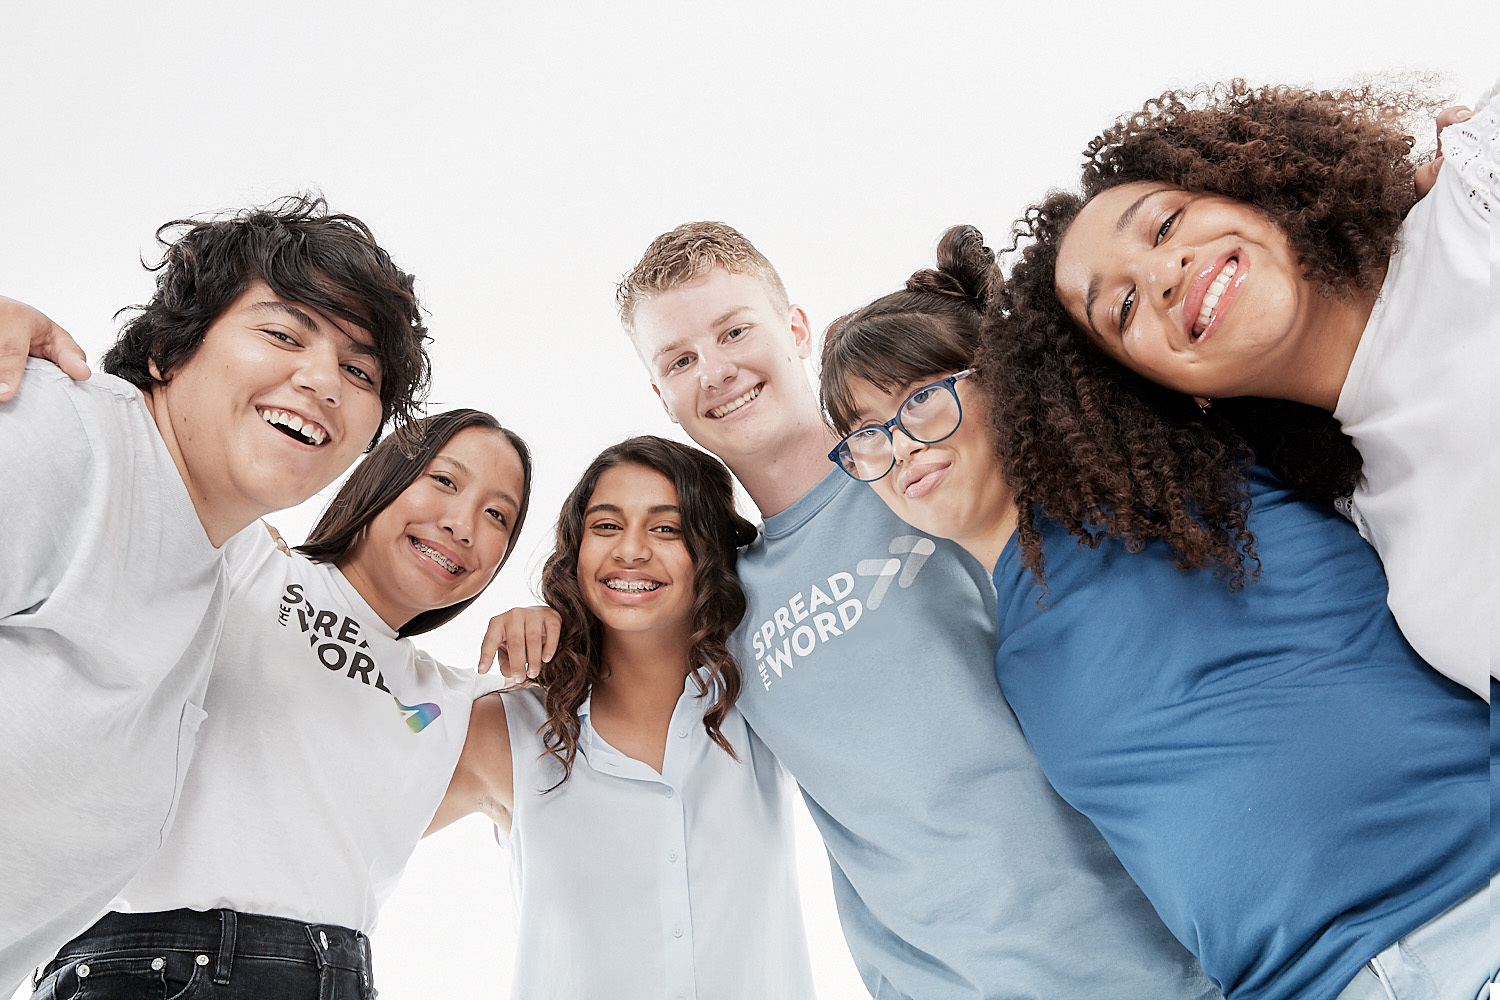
x=1290, y=784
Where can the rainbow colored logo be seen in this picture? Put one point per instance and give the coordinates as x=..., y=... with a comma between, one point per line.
x=418, y=717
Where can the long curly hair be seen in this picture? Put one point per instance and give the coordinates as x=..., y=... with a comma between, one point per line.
x=1106, y=452
x=712, y=530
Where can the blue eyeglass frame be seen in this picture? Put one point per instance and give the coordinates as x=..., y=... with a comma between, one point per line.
x=950, y=384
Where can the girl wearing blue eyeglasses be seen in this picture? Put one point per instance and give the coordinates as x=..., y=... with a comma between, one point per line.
x=1302, y=799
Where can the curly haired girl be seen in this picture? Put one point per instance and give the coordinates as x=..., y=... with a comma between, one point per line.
x=1289, y=784
x=1258, y=250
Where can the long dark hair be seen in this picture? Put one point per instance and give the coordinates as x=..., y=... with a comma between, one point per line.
x=393, y=465
x=712, y=531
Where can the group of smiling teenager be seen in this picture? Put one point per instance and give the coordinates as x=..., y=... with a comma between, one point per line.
x=1186, y=750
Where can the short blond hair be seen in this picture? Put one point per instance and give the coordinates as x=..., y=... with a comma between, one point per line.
x=686, y=254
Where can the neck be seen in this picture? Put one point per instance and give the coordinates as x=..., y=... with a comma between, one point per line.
x=1317, y=372
x=644, y=676
x=986, y=546
x=221, y=517
x=393, y=616
x=777, y=480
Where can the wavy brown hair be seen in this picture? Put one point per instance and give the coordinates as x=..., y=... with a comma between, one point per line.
x=1106, y=452
x=712, y=530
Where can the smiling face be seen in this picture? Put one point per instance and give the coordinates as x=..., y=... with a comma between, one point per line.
x=951, y=488
x=274, y=404
x=727, y=364
x=634, y=568
x=440, y=542
x=1197, y=292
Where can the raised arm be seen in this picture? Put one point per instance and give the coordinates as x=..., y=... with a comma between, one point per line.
x=483, y=780
x=26, y=332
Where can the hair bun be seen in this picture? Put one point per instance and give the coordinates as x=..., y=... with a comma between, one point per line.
x=965, y=268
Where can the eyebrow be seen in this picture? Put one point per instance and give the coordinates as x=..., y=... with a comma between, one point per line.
x=1128, y=216
x=301, y=318
x=662, y=508
x=1121, y=224
x=718, y=320
x=310, y=325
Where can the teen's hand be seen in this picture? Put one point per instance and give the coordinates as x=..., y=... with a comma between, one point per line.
x=524, y=639
x=26, y=332
x=276, y=537
x=1427, y=173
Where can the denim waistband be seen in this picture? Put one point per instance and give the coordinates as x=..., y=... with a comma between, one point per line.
x=223, y=935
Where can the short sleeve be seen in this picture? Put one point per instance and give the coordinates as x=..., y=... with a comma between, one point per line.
x=1471, y=156
x=48, y=472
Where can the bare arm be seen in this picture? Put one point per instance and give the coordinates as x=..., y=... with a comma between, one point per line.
x=483, y=781
x=25, y=332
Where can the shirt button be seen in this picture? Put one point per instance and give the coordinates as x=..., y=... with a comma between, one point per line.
x=668, y=792
x=83, y=972
x=677, y=931
x=157, y=964
x=671, y=855
x=201, y=959
x=682, y=734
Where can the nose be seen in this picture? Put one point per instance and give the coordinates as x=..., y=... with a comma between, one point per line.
x=319, y=371
x=715, y=368
x=631, y=546
x=903, y=445
x=1167, y=273
x=458, y=521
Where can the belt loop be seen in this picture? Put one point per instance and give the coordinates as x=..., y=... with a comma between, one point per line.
x=228, y=930
x=364, y=965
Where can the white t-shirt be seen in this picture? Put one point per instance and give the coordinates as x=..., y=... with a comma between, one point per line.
x=329, y=746
x=111, y=601
x=1419, y=403
x=635, y=885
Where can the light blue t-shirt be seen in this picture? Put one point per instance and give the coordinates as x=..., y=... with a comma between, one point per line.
x=1289, y=783
x=959, y=873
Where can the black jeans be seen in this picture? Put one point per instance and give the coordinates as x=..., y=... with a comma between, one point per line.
x=213, y=955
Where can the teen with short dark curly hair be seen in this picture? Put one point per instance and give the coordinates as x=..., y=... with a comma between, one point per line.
x=278, y=341
x=1288, y=782
x=1257, y=250
x=275, y=872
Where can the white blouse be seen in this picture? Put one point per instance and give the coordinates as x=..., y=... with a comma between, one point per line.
x=672, y=886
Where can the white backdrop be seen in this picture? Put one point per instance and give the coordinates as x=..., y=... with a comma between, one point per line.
x=518, y=159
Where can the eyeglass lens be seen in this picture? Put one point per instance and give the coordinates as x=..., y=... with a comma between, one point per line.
x=930, y=414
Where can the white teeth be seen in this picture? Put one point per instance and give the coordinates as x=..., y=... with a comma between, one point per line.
x=436, y=556
x=307, y=429
x=632, y=586
x=1214, y=294
x=734, y=404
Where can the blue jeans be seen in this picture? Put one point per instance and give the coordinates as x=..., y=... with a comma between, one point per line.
x=218, y=954
x=1454, y=956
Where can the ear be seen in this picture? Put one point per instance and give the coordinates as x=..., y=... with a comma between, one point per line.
x=801, y=332
x=670, y=415
x=155, y=371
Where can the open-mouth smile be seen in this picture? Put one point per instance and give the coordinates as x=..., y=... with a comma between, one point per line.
x=720, y=412
x=293, y=426
x=431, y=553
x=631, y=586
